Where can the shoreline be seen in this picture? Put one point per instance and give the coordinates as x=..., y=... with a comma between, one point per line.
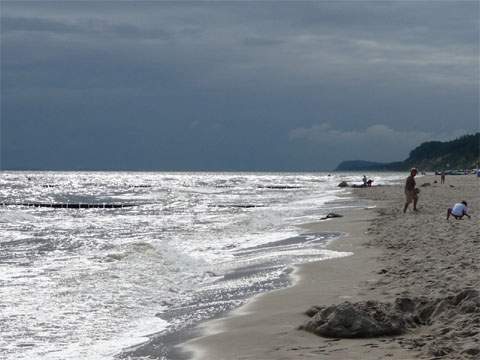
x=266, y=327
x=169, y=345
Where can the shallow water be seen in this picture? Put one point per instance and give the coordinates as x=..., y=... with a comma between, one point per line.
x=86, y=283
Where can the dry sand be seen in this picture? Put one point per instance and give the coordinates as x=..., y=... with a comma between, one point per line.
x=394, y=255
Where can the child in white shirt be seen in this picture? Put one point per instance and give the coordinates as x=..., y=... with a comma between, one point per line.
x=458, y=210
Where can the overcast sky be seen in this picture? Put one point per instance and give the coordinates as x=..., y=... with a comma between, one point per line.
x=233, y=86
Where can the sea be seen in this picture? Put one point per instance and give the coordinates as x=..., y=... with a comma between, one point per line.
x=100, y=283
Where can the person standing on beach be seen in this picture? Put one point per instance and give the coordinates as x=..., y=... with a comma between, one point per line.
x=442, y=178
x=411, y=193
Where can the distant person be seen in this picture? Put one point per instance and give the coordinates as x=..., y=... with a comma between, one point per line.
x=369, y=182
x=364, y=179
x=458, y=211
x=411, y=192
x=442, y=177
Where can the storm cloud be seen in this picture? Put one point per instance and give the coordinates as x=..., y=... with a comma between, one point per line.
x=233, y=85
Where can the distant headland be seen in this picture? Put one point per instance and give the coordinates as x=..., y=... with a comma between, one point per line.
x=461, y=153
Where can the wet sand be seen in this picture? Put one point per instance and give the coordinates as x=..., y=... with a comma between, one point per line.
x=394, y=255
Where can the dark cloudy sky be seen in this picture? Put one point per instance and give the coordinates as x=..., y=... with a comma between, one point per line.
x=233, y=85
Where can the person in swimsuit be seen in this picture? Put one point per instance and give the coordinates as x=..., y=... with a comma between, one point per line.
x=411, y=193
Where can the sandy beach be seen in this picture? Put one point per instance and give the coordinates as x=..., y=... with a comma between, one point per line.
x=418, y=256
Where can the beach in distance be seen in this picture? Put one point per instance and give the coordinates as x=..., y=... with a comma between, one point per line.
x=420, y=264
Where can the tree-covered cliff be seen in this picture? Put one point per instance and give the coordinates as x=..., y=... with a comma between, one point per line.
x=461, y=153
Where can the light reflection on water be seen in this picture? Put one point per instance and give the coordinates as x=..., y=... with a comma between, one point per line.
x=86, y=283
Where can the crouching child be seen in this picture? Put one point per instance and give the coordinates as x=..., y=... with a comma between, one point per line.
x=458, y=211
